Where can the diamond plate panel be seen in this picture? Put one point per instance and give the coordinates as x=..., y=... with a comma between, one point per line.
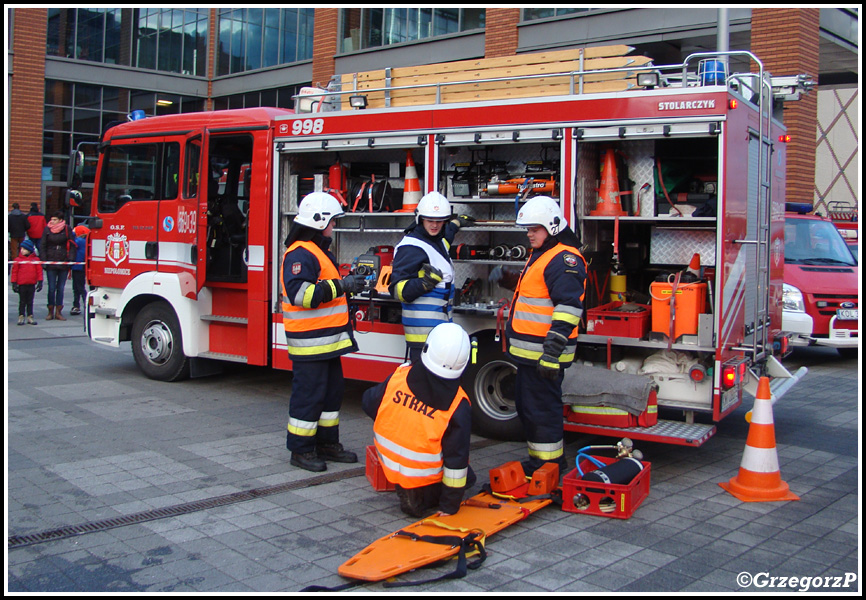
x=676, y=246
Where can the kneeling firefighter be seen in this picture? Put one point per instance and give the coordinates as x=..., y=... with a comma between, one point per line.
x=423, y=423
x=542, y=327
x=318, y=333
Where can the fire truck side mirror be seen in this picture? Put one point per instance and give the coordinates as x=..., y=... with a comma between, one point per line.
x=75, y=174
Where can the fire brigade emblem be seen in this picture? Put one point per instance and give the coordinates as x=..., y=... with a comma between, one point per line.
x=296, y=268
x=570, y=260
x=118, y=248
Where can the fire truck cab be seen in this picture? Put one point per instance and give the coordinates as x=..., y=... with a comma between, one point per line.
x=190, y=212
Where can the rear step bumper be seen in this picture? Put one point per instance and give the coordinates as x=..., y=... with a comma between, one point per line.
x=664, y=432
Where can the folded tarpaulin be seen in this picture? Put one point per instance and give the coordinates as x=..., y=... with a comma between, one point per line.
x=594, y=386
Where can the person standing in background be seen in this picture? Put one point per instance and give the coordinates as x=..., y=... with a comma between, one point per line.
x=38, y=223
x=26, y=278
x=57, y=247
x=18, y=227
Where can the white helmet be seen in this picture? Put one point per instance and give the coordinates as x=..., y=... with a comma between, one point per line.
x=446, y=351
x=544, y=211
x=317, y=209
x=433, y=206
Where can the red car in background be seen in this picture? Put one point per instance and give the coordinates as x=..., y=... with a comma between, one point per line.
x=820, y=283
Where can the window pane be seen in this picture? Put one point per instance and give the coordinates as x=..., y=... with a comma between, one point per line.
x=90, y=34
x=473, y=18
x=446, y=20
x=88, y=96
x=113, y=36
x=225, y=46
x=306, y=21
x=58, y=92
x=290, y=35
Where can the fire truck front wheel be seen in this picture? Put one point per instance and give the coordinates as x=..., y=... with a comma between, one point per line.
x=490, y=385
x=157, y=344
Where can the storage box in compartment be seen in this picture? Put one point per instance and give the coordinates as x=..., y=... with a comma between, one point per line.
x=604, y=499
x=619, y=319
x=607, y=416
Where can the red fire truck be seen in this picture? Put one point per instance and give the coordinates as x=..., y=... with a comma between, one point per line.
x=189, y=213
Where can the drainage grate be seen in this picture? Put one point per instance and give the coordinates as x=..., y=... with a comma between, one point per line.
x=19, y=541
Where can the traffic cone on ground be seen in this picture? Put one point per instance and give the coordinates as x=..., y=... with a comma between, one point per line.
x=609, y=204
x=412, y=187
x=759, y=479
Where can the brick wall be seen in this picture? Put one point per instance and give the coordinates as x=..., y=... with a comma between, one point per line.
x=24, y=146
x=324, y=44
x=786, y=41
x=500, y=38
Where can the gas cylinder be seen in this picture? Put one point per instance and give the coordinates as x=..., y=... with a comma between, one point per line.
x=620, y=472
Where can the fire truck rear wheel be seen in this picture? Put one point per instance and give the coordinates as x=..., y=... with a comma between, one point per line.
x=157, y=343
x=490, y=386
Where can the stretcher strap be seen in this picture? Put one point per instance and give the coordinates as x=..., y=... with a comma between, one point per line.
x=473, y=540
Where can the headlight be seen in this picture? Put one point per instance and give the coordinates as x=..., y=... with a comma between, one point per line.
x=792, y=298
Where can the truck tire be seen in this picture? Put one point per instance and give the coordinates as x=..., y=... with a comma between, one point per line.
x=490, y=386
x=157, y=343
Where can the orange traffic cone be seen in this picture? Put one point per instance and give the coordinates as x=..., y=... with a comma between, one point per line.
x=609, y=204
x=759, y=479
x=695, y=267
x=412, y=187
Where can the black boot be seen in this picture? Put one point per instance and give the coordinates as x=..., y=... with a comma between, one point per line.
x=335, y=453
x=309, y=461
x=411, y=502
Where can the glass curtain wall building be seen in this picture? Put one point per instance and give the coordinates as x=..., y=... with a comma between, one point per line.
x=157, y=46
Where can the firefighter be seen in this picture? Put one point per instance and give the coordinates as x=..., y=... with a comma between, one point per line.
x=318, y=333
x=422, y=425
x=542, y=327
x=422, y=275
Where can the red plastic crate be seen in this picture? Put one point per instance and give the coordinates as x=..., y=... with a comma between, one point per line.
x=604, y=499
x=375, y=474
x=609, y=320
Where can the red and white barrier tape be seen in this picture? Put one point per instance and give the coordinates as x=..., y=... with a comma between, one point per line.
x=51, y=262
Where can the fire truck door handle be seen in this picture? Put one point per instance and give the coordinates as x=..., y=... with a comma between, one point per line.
x=151, y=251
x=193, y=254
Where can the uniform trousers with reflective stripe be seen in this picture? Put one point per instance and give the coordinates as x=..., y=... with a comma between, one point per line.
x=539, y=407
x=317, y=389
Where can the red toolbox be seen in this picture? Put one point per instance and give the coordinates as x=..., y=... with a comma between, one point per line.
x=619, y=319
x=604, y=499
x=374, y=472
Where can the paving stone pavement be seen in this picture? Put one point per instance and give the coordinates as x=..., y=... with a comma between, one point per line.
x=186, y=487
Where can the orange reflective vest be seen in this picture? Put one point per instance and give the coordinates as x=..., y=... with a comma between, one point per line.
x=533, y=312
x=316, y=333
x=408, y=436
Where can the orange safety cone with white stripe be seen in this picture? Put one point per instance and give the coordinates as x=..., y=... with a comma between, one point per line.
x=609, y=204
x=694, y=267
x=411, y=187
x=759, y=479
